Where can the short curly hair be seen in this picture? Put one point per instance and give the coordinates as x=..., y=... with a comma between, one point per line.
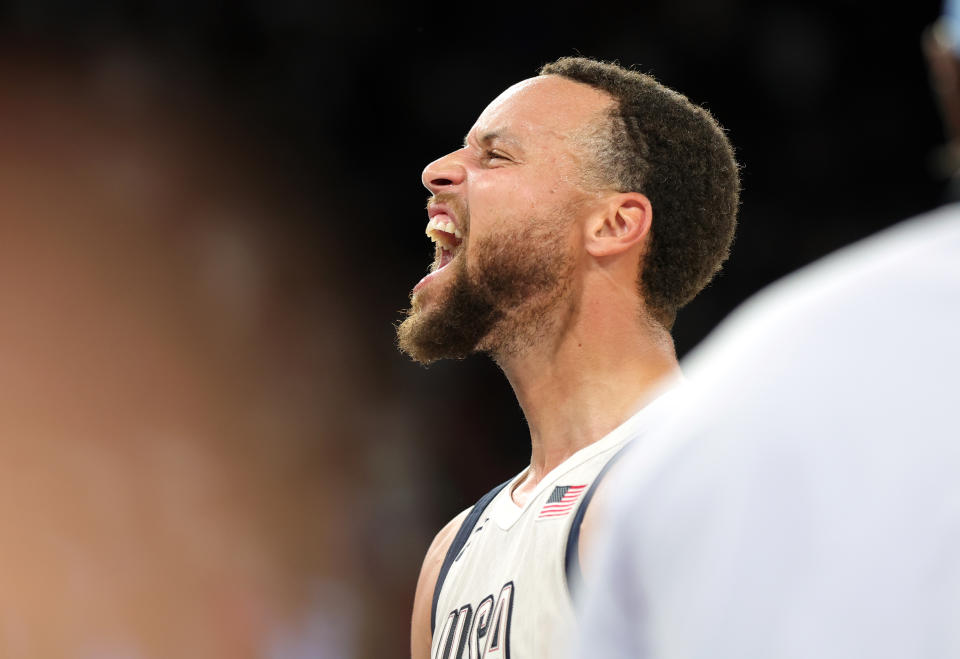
x=662, y=145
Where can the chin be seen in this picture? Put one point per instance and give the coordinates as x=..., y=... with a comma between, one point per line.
x=448, y=322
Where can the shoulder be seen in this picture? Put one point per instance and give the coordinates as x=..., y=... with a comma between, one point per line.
x=433, y=561
x=854, y=320
x=911, y=265
x=420, y=634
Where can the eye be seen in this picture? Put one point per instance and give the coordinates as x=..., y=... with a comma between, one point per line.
x=491, y=154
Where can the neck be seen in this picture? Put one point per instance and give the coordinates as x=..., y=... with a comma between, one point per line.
x=576, y=389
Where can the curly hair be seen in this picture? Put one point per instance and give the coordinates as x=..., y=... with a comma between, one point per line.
x=662, y=145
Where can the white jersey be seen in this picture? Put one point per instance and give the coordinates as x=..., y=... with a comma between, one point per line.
x=811, y=506
x=504, y=589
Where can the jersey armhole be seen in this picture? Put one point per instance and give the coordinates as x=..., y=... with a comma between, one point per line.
x=463, y=534
x=572, y=553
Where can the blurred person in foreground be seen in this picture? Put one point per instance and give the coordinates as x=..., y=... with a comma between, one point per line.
x=808, y=502
x=171, y=436
x=587, y=205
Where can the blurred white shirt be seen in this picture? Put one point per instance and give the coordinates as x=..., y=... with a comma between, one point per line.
x=807, y=503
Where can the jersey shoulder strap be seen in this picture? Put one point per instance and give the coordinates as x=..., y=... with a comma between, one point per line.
x=572, y=554
x=463, y=534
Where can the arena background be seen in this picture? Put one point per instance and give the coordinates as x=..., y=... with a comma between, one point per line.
x=342, y=104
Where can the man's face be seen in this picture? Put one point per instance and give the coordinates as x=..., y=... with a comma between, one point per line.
x=505, y=214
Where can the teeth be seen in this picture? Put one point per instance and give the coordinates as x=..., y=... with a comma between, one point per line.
x=447, y=227
x=441, y=225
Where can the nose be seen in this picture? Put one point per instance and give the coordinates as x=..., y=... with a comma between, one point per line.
x=444, y=173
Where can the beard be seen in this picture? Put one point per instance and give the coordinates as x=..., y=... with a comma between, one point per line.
x=509, y=301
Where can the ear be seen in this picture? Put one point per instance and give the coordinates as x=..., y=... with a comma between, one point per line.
x=622, y=223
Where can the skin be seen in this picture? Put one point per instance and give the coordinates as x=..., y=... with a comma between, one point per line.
x=602, y=357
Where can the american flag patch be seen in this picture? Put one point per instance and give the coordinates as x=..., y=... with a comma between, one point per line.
x=561, y=501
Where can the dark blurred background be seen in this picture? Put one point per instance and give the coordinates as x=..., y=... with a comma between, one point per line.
x=333, y=109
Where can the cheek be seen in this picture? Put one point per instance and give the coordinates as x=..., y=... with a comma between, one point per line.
x=496, y=210
x=498, y=204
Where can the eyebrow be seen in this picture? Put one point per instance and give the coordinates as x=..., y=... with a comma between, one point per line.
x=492, y=136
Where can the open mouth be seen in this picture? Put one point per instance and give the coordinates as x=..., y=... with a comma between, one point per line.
x=447, y=238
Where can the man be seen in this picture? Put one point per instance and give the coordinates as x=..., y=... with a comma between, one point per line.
x=587, y=205
x=811, y=508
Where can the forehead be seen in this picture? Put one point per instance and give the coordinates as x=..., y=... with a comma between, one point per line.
x=542, y=108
